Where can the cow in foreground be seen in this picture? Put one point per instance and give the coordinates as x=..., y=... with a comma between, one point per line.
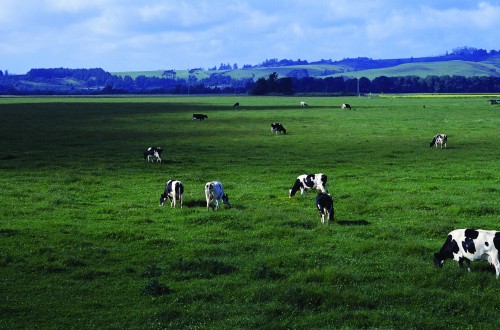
x=440, y=139
x=153, y=152
x=199, y=116
x=276, y=128
x=346, y=106
x=470, y=245
x=304, y=104
x=174, y=191
x=324, y=203
x=309, y=181
x=215, y=193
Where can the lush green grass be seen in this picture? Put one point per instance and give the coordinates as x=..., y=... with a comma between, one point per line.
x=84, y=243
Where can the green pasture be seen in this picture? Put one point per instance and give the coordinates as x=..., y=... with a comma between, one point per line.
x=85, y=244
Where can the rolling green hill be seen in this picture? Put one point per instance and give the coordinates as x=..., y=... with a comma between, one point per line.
x=488, y=67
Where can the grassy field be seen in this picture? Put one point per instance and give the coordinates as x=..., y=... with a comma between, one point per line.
x=85, y=244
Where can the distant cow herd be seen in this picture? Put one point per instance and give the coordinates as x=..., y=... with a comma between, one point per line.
x=462, y=245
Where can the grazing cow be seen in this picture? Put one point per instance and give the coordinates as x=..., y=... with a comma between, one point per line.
x=304, y=104
x=237, y=104
x=153, y=152
x=276, y=128
x=174, y=191
x=470, y=245
x=215, y=193
x=345, y=106
x=309, y=181
x=439, y=139
x=493, y=101
x=324, y=203
x=199, y=116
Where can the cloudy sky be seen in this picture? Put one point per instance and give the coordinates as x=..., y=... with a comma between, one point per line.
x=137, y=35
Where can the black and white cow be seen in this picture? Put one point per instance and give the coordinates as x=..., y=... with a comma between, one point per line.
x=174, y=191
x=199, y=116
x=304, y=104
x=237, y=104
x=153, y=152
x=470, y=245
x=309, y=181
x=440, y=139
x=215, y=193
x=324, y=203
x=345, y=106
x=276, y=128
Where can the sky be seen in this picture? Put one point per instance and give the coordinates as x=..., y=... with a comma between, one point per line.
x=145, y=35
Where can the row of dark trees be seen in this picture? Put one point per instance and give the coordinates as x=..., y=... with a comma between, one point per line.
x=95, y=81
x=383, y=84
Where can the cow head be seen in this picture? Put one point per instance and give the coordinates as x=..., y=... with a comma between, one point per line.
x=163, y=197
x=438, y=262
x=225, y=199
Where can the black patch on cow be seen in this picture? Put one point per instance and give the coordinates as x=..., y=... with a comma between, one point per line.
x=323, y=180
x=169, y=187
x=468, y=244
x=471, y=233
x=486, y=243
x=309, y=181
x=496, y=240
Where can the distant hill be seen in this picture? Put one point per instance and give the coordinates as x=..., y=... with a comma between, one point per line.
x=465, y=70
x=467, y=65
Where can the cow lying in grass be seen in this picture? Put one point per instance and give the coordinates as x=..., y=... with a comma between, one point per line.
x=199, y=116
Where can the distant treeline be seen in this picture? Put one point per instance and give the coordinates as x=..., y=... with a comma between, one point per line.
x=97, y=81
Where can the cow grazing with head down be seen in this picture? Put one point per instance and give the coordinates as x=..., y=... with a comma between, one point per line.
x=324, y=203
x=276, y=128
x=153, y=152
x=345, y=106
x=215, y=193
x=199, y=116
x=174, y=191
x=304, y=104
x=237, y=104
x=470, y=245
x=440, y=139
x=309, y=181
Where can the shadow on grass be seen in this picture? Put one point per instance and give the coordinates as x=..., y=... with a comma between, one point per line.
x=353, y=223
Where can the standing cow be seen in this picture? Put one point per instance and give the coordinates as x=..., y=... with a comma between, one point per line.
x=153, y=152
x=309, y=181
x=215, y=193
x=304, y=104
x=174, y=191
x=276, y=128
x=470, y=245
x=346, y=106
x=440, y=139
x=324, y=203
